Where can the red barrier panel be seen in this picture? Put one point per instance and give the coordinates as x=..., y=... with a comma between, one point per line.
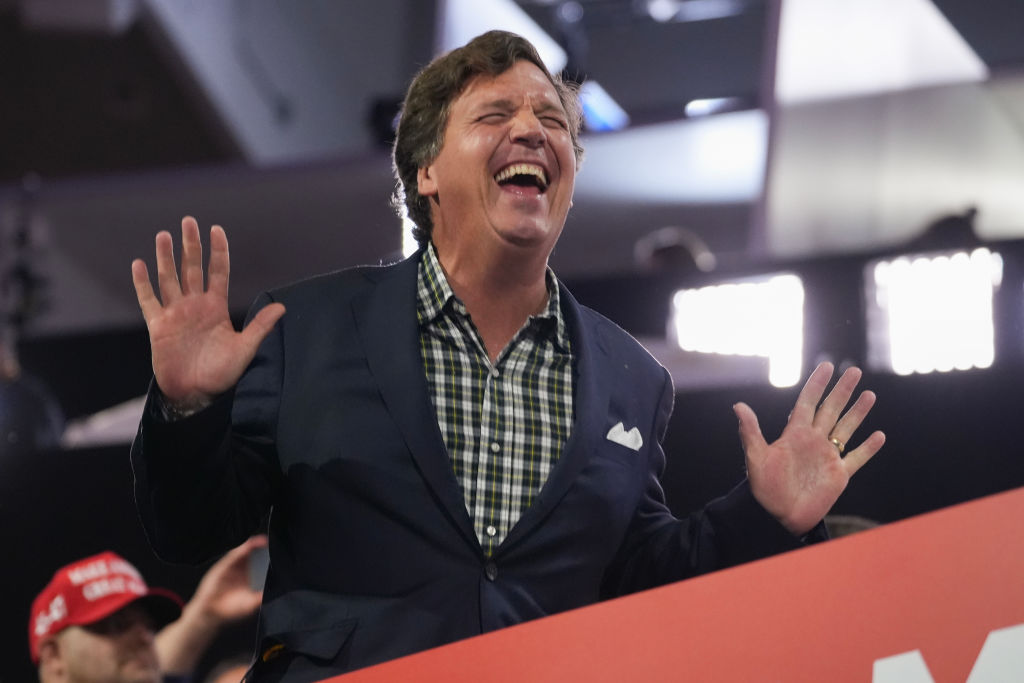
x=909, y=601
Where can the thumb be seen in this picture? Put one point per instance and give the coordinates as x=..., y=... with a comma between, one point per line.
x=261, y=324
x=749, y=429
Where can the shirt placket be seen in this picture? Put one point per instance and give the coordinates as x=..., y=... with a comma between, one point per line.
x=490, y=516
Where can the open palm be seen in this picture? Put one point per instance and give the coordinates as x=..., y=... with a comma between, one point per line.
x=196, y=351
x=799, y=477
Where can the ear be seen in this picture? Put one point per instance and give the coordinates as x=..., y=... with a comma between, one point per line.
x=51, y=663
x=426, y=183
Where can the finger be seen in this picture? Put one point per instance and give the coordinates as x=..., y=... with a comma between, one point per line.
x=166, y=274
x=148, y=302
x=259, y=327
x=853, y=418
x=828, y=413
x=250, y=544
x=220, y=263
x=237, y=555
x=750, y=431
x=251, y=602
x=859, y=456
x=191, y=257
x=807, y=401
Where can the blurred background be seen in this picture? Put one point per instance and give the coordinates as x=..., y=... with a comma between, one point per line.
x=767, y=184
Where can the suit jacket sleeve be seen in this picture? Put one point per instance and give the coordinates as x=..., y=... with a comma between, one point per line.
x=203, y=484
x=659, y=548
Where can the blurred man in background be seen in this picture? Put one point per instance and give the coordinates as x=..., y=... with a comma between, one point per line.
x=30, y=417
x=97, y=621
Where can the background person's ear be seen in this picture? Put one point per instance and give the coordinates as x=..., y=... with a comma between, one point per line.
x=51, y=663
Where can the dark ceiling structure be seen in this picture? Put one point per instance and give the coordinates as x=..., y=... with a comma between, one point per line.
x=79, y=103
x=114, y=132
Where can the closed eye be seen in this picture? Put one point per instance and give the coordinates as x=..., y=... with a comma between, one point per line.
x=493, y=117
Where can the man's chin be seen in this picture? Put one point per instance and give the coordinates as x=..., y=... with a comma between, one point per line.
x=531, y=235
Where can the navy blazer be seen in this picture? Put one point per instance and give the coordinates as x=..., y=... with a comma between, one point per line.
x=373, y=555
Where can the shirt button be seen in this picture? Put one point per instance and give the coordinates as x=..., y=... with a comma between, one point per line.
x=491, y=571
x=495, y=447
x=491, y=531
x=494, y=372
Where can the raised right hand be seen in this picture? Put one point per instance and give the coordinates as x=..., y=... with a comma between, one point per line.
x=196, y=351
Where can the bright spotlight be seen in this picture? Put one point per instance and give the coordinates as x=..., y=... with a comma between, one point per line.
x=932, y=313
x=758, y=317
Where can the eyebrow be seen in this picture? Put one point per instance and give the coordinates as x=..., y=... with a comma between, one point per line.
x=544, y=107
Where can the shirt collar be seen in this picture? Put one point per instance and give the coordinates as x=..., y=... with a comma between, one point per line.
x=434, y=293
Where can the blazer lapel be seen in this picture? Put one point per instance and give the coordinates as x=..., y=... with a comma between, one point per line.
x=386, y=320
x=592, y=395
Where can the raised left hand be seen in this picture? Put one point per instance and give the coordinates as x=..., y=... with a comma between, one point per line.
x=224, y=593
x=799, y=477
x=223, y=596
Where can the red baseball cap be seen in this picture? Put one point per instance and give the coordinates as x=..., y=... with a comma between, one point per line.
x=88, y=590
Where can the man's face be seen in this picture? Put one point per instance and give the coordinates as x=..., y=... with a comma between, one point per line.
x=506, y=170
x=117, y=649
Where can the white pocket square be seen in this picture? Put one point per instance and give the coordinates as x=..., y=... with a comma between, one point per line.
x=630, y=439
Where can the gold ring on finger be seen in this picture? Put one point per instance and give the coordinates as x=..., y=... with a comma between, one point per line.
x=840, y=445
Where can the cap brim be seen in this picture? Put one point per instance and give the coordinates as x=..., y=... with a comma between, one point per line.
x=162, y=605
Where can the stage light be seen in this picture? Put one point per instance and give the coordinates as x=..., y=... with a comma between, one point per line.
x=714, y=159
x=600, y=111
x=712, y=105
x=664, y=11
x=760, y=316
x=570, y=12
x=705, y=10
x=929, y=313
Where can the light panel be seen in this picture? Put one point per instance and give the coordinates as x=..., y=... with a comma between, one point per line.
x=600, y=111
x=837, y=48
x=760, y=317
x=711, y=105
x=714, y=159
x=694, y=10
x=931, y=313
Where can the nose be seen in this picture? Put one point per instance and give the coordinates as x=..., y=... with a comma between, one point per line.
x=526, y=128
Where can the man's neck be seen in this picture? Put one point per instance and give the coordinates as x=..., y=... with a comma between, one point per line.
x=500, y=291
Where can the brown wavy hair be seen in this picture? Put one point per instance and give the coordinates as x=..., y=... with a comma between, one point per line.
x=428, y=103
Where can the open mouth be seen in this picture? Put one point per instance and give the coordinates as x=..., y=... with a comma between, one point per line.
x=523, y=175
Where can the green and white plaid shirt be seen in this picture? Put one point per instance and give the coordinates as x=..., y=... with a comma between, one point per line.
x=504, y=424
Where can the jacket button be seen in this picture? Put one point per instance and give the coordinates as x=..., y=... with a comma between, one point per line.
x=491, y=571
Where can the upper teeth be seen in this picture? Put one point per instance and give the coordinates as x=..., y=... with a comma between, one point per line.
x=522, y=169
